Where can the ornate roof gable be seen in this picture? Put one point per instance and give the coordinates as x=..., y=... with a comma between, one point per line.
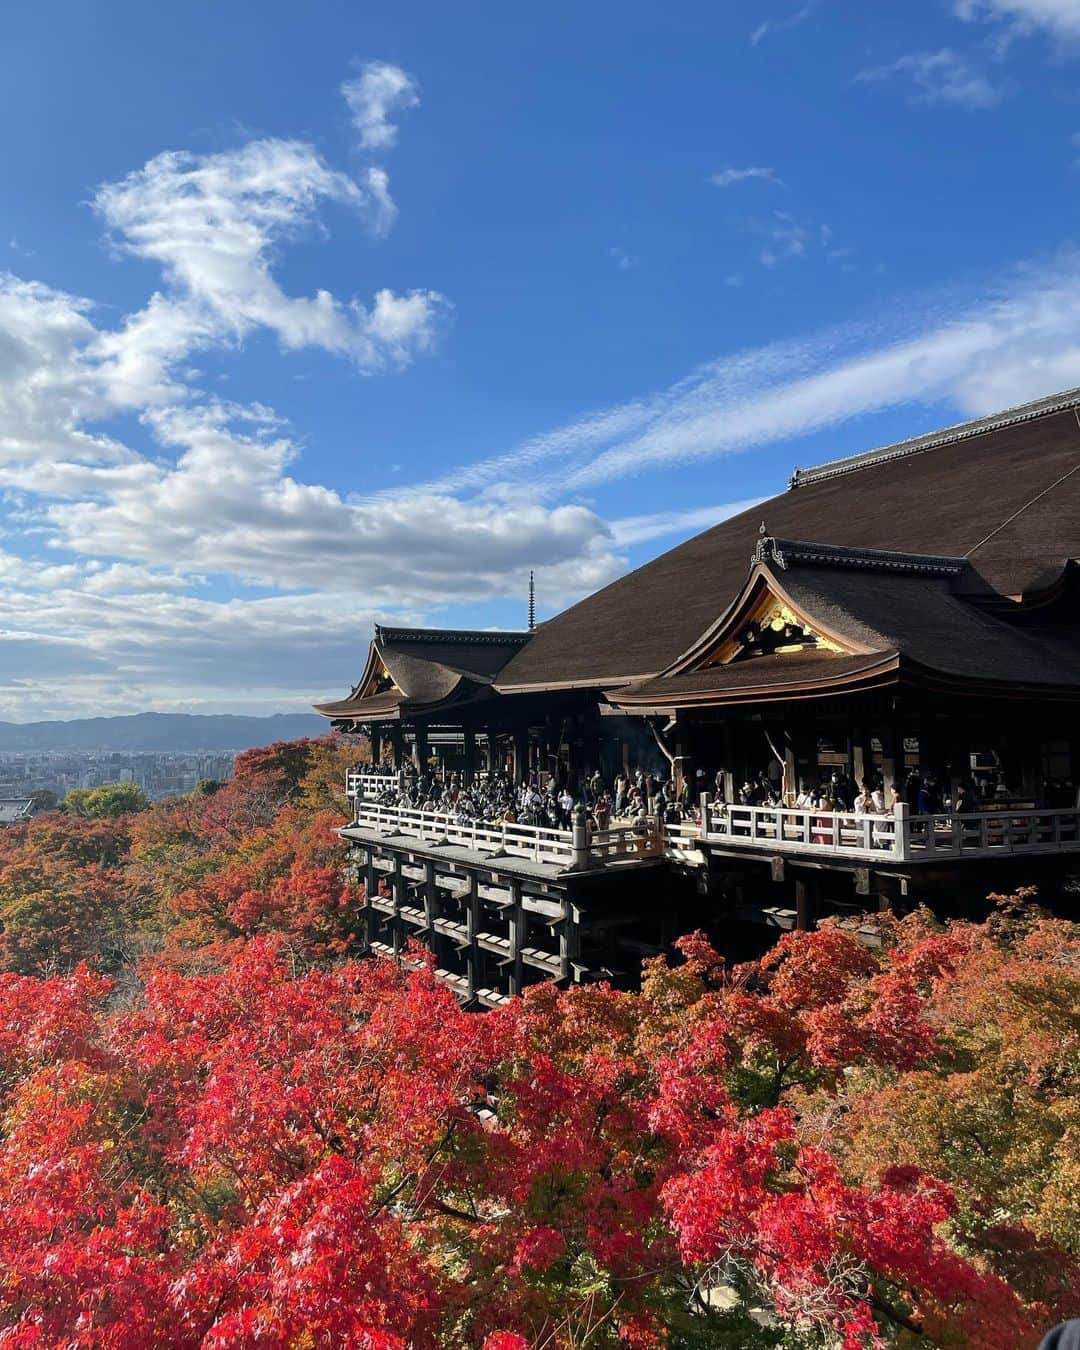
x=766, y=620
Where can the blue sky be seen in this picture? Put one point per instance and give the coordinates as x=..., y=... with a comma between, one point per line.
x=315, y=315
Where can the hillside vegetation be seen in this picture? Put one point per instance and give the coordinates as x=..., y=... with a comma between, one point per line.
x=219, y=1126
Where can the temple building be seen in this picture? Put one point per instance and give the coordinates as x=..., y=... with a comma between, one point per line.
x=906, y=615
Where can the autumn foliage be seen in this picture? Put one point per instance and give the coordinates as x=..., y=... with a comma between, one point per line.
x=266, y=1140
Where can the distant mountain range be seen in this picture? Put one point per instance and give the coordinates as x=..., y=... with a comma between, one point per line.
x=160, y=732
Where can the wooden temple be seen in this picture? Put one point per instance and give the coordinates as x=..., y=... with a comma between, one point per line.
x=906, y=614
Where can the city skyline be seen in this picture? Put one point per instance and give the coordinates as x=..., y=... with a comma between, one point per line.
x=351, y=318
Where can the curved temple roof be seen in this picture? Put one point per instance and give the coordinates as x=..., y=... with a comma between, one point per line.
x=1001, y=493
x=409, y=668
x=861, y=618
x=920, y=552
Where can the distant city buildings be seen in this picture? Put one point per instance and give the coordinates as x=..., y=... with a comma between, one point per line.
x=159, y=774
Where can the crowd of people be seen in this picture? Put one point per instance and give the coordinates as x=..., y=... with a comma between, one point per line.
x=543, y=800
x=551, y=801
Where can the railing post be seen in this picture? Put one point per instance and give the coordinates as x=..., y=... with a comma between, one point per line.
x=580, y=840
x=705, y=800
x=901, y=832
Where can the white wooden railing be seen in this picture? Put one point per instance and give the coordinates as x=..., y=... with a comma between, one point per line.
x=893, y=837
x=898, y=837
x=575, y=849
x=361, y=783
x=365, y=783
x=523, y=841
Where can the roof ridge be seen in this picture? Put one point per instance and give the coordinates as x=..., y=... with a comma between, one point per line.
x=785, y=551
x=932, y=440
x=451, y=635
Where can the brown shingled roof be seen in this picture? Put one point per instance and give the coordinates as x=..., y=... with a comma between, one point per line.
x=383, y=707
x=1007, y=496
x=428, y=666
x=768, y=676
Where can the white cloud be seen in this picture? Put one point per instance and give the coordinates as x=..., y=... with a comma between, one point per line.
x=51, y=393
x=229, y=507
x=940, y=76
x=630, y=530
x=384, y=212
x=213, y=222
x=155, y=518
x=788, y=238
x=1018, y=343
x=624, y=261
x=768, y=26
x=728, y=177
x=192, y=497
x=1059, y=18
x=379, y=90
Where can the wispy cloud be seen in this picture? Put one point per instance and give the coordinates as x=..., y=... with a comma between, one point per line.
x=1059, y=18
x=940, y=77
x=787, y=239
x=629, y=530
x=767, y=26
x=624, y=261
x=206, y=488
x=725, y=178
x=377, y=92
x=1020, y=341
x=212, y=223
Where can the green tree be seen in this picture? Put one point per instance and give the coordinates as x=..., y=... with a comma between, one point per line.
x=106, y=802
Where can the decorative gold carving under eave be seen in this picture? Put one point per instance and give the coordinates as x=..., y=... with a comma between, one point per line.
x=772, y=630
x=380, y=681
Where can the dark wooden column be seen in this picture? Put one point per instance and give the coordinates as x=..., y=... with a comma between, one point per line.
x=397, y=890
x=474, y=955
x=861, y=756
x=375, y=741
x=521, y=756
x=789, y=750
x=470, y=754
x=893, y=770
x=569, y=941
x=517, y=938
x=421, y=749
x=493, y=752
x=959, y=752
x=806, y=888
x=371, y=889
x=397, y=745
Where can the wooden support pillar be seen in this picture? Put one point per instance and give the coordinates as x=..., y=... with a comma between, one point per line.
x=728, y=766
x=371, y=889
x=893, y=769
x=397, y=746
x=791, y=765
x=473, y=954
x=521, y=756
x=420, y=751
x=959, y=753
x=1031, y=784
x=397, y=889
x=517, y=937
x=493, y=752
x=470, y=754
x=431, y=896
x=806, y=885
x=569, y=941
x=375, y=742
x=861, y=758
